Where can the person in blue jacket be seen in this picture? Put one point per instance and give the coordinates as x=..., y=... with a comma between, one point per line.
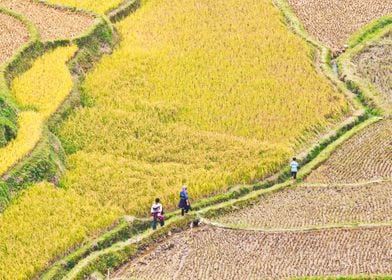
x=184, y=201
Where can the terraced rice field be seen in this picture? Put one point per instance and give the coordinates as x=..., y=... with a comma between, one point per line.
x=13, y=34
x=315, y=206
x=52, y=23
x=374, y=64
x=332, y=22
x=367, y=156
x=216, y=253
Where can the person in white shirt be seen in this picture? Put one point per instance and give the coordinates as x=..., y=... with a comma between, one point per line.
x=157, y=214
x=294, y=168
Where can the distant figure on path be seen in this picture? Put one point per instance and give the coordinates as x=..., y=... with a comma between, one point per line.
x=184, y=201
x=294, y=168
x=157, y=214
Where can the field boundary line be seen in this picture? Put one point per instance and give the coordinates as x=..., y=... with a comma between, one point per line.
x=366, y=36
x=296, y=229
x=364, y=183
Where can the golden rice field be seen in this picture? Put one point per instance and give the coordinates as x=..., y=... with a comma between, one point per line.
x=216, y=253
x=52, y=23
x=47, y=83
x=332, y=22
x=40, y=91
x=365, y=157
x=100, y=7
x=236, y=114
x=30, y=131
x=248, y=98
x=13, y=35
x=316, y=206
x=43, y=223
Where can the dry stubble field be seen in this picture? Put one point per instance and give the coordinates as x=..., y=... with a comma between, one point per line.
x=333, y=21
x=374, y=64
x=52, y=23
x=306, y=206
x=13, y=35
x=365, y=157
x=216, y=253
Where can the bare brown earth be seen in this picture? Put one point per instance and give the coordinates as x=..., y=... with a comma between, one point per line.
x=216, y=253
x=310, y=206
x=367, y=156
x=51, y=23
x=13, y=34
x=334, y=21
x=374, y=64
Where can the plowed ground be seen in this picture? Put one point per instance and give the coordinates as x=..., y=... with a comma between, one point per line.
x=216, y=253
x=334, y=21
x=13, y=34
x=375, y=65
x=316, y=206
x=367, y=156
x=51, y=23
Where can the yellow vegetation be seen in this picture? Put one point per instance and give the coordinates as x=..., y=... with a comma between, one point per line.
x=211, y=93
x=30, y=130
x=42, y=224
x=45, y=86
x=98, y=6
x=206, y=99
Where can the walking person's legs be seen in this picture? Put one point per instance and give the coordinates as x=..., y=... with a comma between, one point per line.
x=154, y=224
x=182, y=211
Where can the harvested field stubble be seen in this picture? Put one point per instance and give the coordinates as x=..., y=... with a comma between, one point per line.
x=52, y=23
x=216, y=253
x=13, y=34
x=304, y=206
x=374, y=63
x=367, y=156
x=333, y=21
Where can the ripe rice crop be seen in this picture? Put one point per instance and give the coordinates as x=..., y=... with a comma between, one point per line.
x=334, y=21
x=45, y=86
x=42, y=224
x=314, y=206
x=204, y=99
x=100, y=7
x=29, y=133
x=13, y=35
x=52, y=24
x=374, y=63
x=367, y=156
x=216, y=253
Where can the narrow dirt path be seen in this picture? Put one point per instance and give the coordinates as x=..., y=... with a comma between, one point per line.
x=52, y=23
x=13, y=34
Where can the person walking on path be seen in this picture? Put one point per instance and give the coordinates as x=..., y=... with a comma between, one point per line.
x=157, y=214
x=294, y=168
x=184, y=201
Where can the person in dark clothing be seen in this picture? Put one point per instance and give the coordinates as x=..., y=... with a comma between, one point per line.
x=157, y=214
x=184, y=201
